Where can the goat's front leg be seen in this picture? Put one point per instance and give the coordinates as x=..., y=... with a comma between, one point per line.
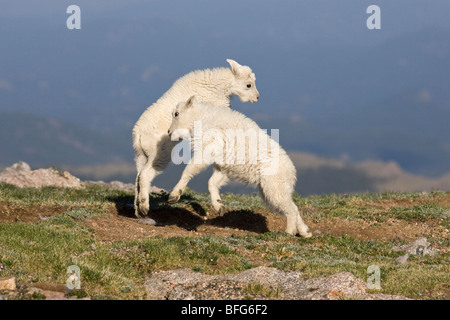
x=191, y=170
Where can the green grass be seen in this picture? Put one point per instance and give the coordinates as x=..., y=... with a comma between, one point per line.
x=92, y=196
x=42, y=251
x=356, y=207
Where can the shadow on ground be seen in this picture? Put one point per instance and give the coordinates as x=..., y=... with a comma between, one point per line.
x=192, y=215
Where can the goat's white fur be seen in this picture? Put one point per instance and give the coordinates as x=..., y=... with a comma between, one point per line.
x=150, y=140
x=276, y=185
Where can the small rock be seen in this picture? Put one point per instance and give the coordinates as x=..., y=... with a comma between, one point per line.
x=147, y=221
x=154, y=189
x=419, y=247
x=8, y=283
x=402, y=259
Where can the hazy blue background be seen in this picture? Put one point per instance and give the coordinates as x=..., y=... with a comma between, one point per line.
x=333, y=87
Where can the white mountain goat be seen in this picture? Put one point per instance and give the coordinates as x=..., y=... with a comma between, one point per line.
x=150, y=140
x=238, y=149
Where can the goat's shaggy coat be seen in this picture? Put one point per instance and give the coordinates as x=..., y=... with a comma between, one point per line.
x=150, y=140
x=270, y=168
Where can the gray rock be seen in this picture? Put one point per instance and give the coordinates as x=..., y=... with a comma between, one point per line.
x=147, y=221
x=419, y=247
x=21, y=175
x=183, y=284
x=402, y=259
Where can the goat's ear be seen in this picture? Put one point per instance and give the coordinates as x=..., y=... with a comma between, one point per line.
x=190, y=101
x=235, y=67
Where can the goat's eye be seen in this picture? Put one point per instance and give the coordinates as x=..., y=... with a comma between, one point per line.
x=176, y=114
x=249, y=85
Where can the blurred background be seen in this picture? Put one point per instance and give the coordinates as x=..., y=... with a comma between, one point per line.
x=358, y=110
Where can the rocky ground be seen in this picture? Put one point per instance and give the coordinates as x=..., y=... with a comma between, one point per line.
x=257, y=283
x=21, y=175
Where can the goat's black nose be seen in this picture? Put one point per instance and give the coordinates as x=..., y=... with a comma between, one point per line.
x=168, y=132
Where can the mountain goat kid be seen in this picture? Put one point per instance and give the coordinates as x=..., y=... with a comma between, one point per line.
x=238, y=149
x=151, y=143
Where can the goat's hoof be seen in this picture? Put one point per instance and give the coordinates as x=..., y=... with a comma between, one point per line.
x=221, y=211
x=306, y=234
x=173, y=199
x=141, y=213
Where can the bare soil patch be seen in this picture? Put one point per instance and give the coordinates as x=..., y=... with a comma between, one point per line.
x=12, y=213
x=119, y=224
x=363, y=230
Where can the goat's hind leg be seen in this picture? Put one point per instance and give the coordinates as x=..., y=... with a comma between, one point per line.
x=295, y=222
x=279, y=197
x=140, y=160
x=157, y=159
x=143, y=180
x=217, y=180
